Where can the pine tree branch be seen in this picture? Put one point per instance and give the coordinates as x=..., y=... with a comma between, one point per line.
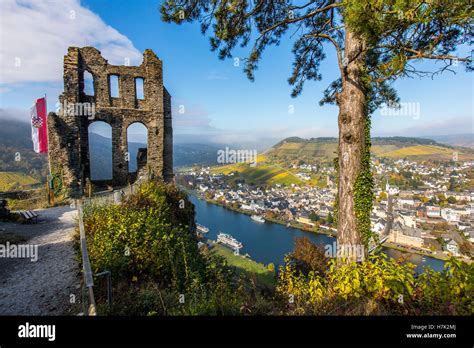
x=336, y=46
x=298, y=19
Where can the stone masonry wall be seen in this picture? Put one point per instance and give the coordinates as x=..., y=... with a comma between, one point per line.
x=68, y=132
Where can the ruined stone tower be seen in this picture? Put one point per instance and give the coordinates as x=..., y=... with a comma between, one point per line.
x=68, y=129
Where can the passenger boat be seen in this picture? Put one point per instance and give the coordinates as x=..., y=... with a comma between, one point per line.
x=228, y=240
x=201, y=228
x=257, y=218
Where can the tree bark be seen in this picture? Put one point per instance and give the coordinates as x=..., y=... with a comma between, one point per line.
x=352, y=103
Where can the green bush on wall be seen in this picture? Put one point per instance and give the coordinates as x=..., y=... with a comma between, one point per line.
x=148, y=235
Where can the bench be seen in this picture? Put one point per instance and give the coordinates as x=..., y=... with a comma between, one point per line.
x=28, y=215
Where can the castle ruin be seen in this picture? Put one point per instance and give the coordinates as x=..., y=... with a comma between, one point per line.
x=68, y=131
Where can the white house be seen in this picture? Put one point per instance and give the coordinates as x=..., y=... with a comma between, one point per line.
x=246, y=207
x=469, y=234
x=433, y=212
x=392, y=191
x=407, y=220
x=449, y=215
x=379, y=226
x=406, y=201
x=452, y=247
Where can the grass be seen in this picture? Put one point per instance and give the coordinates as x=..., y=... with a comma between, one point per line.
x=37, y=200
x=16, y=180
x=246, y=266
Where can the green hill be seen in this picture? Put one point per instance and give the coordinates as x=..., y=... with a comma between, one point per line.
x=325, y=149
x=10, y=181
x=17, y=153
x=264, y=173
x=273, y=166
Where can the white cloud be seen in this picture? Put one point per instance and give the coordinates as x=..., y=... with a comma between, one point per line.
x=22, y=115
x=35, y=36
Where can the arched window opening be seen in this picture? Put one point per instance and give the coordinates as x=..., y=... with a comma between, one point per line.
x=137, y=142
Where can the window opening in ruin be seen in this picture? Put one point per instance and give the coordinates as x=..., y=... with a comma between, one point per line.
x=100, y=150
x=137, y=143
x=139, y=88
x=114, y=86
x=88, y=84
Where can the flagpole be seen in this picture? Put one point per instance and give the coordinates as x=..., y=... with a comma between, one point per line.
x=46, y=107
x=49, y=178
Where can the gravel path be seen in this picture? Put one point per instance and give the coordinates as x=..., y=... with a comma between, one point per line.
x=43, y=287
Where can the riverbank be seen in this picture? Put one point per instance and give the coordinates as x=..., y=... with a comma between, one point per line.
x=297, y=227
x=291, y=224
x=246, y=265
x=434, y=255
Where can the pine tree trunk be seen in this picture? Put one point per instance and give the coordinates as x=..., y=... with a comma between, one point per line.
x=351, y=120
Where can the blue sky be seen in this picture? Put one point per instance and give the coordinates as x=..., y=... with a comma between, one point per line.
x=220, y=103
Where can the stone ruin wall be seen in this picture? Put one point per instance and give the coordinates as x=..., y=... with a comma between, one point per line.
x=68, y=133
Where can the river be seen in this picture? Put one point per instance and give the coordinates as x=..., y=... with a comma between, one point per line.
x=270, y=242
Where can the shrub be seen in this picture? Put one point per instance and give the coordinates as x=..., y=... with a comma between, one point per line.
x=308, y=256
x=377, y=286
x=150, y=235
x=149, y=244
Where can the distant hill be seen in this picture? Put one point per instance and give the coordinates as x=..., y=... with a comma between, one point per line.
x=189, y=154
x=183, y=155
x=264, y=173
x=463, y=140
x=17, y=153
x=25, y=167
x=325, y=149
x=12, y=181
x=272, y=166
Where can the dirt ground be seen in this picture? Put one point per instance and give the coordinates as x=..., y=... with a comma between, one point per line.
x=43, y=287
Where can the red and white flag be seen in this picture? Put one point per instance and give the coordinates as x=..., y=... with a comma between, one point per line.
x=39, y=128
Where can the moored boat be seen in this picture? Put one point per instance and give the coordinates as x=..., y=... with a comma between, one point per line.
x=257, y=218
x=201, y=228
x=228, y=240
